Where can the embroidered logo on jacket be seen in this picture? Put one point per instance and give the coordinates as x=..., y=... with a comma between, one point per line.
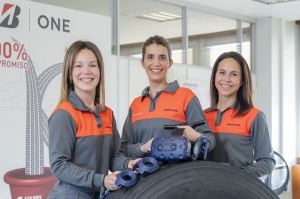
x=233, y=124
x=168, y=109
x=136, y=114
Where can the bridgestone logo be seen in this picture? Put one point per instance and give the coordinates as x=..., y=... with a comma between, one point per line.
x=9, y=16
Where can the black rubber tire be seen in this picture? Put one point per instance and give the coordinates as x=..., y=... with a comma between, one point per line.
x=197, y=180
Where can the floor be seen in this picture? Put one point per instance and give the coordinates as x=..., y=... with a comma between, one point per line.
x=286, y=195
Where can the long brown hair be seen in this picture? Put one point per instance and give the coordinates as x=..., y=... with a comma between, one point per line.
x=66, y=82
x=244, y=95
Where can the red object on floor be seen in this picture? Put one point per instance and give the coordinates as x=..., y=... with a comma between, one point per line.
x=296, y=180
x=22, y=186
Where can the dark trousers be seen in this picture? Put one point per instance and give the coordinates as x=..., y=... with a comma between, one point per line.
x=68, y=191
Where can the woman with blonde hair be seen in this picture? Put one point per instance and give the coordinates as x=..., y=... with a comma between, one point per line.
x=83, y=137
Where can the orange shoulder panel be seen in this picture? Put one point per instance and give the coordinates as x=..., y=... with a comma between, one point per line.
x=168, y=106
x=186, y=94
x=86, y=122
x=235, y=125
x=251, y=115
x=65, y=105
x=211, y=117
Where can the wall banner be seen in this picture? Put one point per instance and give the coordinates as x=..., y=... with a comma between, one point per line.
x=33, y=40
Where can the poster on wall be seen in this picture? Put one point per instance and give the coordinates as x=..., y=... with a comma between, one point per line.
x=33, y=41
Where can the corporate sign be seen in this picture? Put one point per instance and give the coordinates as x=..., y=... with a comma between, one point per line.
x=9, y=19
x=33, y=41
x=9, y=15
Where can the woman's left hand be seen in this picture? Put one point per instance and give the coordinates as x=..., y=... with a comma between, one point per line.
x=132, y=162
x=189, y=133
x=110, y=181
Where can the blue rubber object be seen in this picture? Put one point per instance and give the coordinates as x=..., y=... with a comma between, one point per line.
x=146, y=165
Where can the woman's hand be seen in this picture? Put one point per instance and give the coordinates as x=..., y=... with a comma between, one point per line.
x=147, y=146
x=132, y=162
x=110, y=181
x=189, y=133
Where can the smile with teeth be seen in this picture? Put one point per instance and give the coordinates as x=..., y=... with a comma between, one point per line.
x=86, y=80
x=156, y=70
x=225, y=86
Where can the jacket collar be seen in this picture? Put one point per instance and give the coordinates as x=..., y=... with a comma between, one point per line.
x=77, y=103
x=171, y=88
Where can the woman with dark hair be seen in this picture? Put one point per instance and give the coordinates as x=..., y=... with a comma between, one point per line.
x=83, y=137
x=241, y=131
x=160, y=103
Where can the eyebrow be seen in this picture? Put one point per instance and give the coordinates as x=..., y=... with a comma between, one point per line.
x=155, y=54
x=82, y=61
x=233, y=71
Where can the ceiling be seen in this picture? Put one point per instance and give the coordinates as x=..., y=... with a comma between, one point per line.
x=289, y=10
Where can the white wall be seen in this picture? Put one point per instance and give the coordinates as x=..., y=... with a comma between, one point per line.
x=276, y=81
x=297, y=51
x=288, y=64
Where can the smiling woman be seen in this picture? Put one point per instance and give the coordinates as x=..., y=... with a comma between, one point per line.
x=85, y=77
x=160, y=103
x=242, y=135
x=83, y=138
x=156, y=62
x=228, y=80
